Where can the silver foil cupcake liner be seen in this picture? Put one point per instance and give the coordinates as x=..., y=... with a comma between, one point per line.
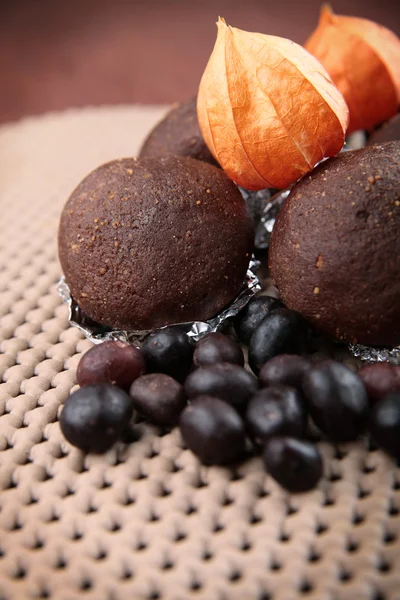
x=98, y=333
x=371, y=354
x=264, y=206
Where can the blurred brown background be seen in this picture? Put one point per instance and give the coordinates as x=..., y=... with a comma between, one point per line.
x=56, y=54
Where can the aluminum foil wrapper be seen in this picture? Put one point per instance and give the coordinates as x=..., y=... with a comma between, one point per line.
x=371, y=354
x=99, y=333
x=264, y=207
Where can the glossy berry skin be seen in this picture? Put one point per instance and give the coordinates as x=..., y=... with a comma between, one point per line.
x=284, y=369
x=380, y=379
x=118, y=363
x=248, y=319
x=228, y=382
x=213, y=430
x=275, y=411
x=169, y=351
x=384, y=424
x=295, y=464
x=283, y=331
x=337, y=400
x=216, y=347
x=158, y=398
x=95, y=416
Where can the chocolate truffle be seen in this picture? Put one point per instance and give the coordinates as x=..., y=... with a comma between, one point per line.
x=178, y=133
x=335, y=248
x=147, y=242
x=388, y=132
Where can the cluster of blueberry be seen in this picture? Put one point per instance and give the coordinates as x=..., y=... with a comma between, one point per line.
x=224, y=411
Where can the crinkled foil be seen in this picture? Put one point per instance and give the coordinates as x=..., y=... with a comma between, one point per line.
x=98, y=333
x=371, y=354
x=264, y=207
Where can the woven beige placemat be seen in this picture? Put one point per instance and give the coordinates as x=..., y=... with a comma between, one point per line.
x=147, y=521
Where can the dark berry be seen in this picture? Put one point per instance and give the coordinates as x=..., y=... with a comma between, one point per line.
x=213, y=430
x=295, y=464
x=215, y=348
x=117, y=363
x=380, y=379
x=95, y=416
x=274, y=411
x=158, y=398
x=228, y=382
x=337, y=400
x=285, y=369
x=169, y=351
x=384, y=424
x=283, y=331
x=252, y=314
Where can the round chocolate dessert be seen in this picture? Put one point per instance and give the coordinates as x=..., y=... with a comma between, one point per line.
x=388, y=132
x=148, y=242
x=178, y=133
x=335, y=247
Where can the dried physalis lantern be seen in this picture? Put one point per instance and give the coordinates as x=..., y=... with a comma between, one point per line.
x=267, y=109
x=363, y=59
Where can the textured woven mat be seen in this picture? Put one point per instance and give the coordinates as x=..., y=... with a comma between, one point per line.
x=146, y=521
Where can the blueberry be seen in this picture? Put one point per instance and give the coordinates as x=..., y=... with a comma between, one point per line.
x=283, y=331
x=215, y=348
x=228, y=382
x=380, y=379
x=295, y=464
x=252, y=314
x=275, y=411
x=286, y=369
x=213, y=431
x=169, y=351
x=95, y=416
x=158, y=398
x=384, y=424
x=337, y=400
x=118, y=363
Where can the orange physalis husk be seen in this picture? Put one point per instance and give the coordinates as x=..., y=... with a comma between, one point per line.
x=363, y=59
x=267, y=109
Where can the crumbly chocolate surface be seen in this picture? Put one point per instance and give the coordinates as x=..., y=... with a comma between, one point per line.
x=178, y=133
x=335, y=248
x=147, y=242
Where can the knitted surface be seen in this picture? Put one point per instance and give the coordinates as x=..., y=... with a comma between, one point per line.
x=146, y=521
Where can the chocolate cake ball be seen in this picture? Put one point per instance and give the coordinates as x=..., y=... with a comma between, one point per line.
x=335, y=248
x=388, y=132
x=152, y=241
x=178, y=133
